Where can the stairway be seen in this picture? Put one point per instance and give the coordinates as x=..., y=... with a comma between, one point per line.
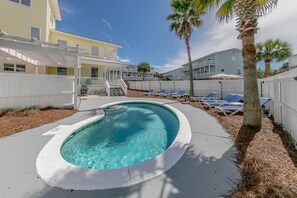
x=116, y=91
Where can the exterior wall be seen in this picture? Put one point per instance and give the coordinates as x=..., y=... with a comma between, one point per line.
x=106, y=50
x=174, y=74
x=30, y=69
x=17, y=19
x=293, y=61
x=230, y=61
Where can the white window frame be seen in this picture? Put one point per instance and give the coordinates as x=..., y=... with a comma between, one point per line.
x=92, y=51
x=14, y=67
x=20, y=3
x=31, y=32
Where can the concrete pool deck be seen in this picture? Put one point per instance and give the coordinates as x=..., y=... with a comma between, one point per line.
x=207, y=168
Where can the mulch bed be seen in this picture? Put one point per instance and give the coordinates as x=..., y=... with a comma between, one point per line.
x=15, y=121
x=267, y=157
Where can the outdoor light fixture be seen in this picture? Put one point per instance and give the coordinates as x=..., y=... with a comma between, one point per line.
x=295, y=78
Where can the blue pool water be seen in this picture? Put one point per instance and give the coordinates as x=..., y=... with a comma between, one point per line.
x=127, y=135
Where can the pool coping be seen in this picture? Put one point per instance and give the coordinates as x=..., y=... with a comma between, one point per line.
x=55, y=171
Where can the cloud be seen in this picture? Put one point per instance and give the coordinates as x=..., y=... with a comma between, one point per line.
x=124, y=60
x=214, y=36
x=67, y=10
x=107, y=23
x=108, y=36
x=127, y=44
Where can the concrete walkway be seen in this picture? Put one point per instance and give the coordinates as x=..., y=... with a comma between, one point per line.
x=207, y=168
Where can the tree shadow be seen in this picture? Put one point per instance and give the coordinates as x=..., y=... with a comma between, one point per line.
x=194, y=175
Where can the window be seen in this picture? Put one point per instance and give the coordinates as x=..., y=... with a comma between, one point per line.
x=95, y=51
x=238, y=71
x=10, y=67
x=62, y=42
x=23, y=2
x=20, y=68
x=233, y=58
x=222, y=70
x=35, y=33
x=62, y=71
x=94, y=72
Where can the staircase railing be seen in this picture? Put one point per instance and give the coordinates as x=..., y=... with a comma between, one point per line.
x=123, y=86
x=107, y=87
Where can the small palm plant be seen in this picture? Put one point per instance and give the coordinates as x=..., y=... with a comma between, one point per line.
x=272, y=50
x=144, y=68
x=247, y=13
x=184, y=19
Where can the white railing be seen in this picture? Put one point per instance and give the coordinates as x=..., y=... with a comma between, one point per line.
x=107, y=87
x=123, y=86
x=24, y=90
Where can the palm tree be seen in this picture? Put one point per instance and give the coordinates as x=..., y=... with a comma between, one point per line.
x=272, y=50
x=144, y=67
x=184, y=19
x=247, y=13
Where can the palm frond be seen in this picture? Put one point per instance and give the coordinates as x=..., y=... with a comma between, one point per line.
x=226, y=11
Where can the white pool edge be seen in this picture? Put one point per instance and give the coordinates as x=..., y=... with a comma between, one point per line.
x=55, y=171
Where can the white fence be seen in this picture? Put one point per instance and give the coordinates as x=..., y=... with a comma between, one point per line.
x=24, y=90
x=283, y=91
x=201, y=87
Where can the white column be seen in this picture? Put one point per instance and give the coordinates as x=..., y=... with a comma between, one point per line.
x=105, y=72
x=36, y=69
x=117, y=73
x=75, y=83
x=121, y=71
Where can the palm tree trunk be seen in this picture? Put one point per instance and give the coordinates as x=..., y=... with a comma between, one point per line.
x=267, y=67
x=252, y=109
x=190, y=67
x=143, y=76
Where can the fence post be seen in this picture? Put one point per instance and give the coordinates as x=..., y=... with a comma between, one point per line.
x=221, y=88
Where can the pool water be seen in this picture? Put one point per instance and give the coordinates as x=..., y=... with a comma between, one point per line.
x=133, y=133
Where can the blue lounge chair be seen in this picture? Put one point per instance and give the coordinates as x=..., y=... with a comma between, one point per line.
x=228, y=97
x=232, y=100
x=210, y=96
x=238, y=108
x=160, y=93
x=149, y=92
x=180, y=94
x=167, y=94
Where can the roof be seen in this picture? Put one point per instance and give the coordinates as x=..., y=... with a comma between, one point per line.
x=56, y=9
x=86, y=38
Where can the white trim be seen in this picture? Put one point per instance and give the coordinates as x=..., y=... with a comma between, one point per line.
x=55, y=171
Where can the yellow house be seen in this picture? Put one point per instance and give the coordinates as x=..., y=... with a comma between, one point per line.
x=36, y=20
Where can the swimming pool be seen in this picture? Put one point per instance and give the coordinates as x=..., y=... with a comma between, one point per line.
x=56, y=171
x=127, y=135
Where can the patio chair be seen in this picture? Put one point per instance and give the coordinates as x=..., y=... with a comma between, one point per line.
x=149, y=92
x=160, y=93
x=210, y=96
x=231, y=101
x=228, y=97
x=167, y=94
x=237, y=108
x=180, y=94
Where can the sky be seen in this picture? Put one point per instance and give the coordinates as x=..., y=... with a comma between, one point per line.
x=140, y=26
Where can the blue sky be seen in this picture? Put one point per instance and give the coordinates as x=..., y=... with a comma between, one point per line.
x=140, y=27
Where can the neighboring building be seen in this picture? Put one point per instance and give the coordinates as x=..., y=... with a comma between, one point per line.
x=36, y=20
x=228, y=61
x=175, y=74
x=130, y=73
x=293, y=61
